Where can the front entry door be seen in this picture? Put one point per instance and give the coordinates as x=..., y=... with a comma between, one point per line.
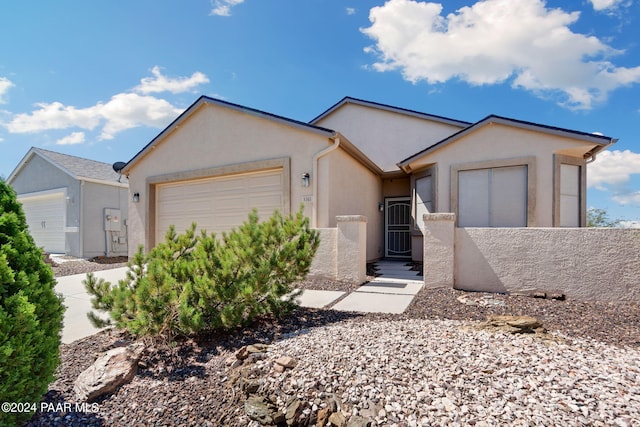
x=397, y=227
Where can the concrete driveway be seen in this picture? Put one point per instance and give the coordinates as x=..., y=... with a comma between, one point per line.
x=78, y=303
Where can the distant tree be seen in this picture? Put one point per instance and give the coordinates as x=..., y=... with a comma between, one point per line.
x=600, y=218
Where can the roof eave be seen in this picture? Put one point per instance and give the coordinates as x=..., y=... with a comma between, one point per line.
x=349, y=100
x=103, y=182
x=33, y=151
x=355, y=152
x=602, y=141
x=236, y=107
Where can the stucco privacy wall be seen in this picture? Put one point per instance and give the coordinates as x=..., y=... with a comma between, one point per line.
x=584, y=263
x=341, y=254
x=497, y=142
x=214, y=136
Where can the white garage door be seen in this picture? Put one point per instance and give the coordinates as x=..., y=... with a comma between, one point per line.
x=495, y=197
x=217, y=204
x=46, y=219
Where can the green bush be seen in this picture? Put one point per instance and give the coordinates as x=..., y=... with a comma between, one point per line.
x=30, y=312
x=190, y=284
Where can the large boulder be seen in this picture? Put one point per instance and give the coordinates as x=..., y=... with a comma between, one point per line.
x=114, y=368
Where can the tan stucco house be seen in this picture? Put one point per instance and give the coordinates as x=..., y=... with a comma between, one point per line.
x=219, y=160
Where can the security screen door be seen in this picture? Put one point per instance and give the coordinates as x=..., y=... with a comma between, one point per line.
x=397, y=227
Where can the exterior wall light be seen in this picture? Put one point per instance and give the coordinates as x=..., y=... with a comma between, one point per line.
x=305, y=179
x=381, y=207
x=136, y=197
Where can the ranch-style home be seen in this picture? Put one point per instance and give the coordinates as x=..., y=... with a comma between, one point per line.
x=73, y=206
x=365, y=170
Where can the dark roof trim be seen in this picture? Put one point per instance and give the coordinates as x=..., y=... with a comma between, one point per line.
x=237, y=107
x=601, y=140
x=418, y=114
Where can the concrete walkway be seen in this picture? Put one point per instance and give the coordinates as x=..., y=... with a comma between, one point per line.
x=78, y=302
x=390, y=292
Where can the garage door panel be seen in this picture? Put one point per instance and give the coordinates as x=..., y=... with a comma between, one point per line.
x=217, y=204
x=46, y=220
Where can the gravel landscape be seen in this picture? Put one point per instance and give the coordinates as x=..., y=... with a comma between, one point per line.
x=433, y=365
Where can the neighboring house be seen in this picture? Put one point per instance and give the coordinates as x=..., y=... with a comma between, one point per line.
x=73, y=206
x=218, y=160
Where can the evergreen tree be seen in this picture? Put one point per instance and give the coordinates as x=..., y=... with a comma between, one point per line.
x=190, y=284
x=30, y=312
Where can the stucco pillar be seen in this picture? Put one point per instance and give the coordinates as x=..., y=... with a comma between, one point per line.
x=438, y=247
x=352, y=248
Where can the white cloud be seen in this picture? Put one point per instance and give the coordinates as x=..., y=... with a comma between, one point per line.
x=627, y=199
x=600, y=5
x=612, y=168
x=123, y=111
x=129, y=110
x=5, y=85
x=351, y=11
x=629, y=224
x=74, y=138
x=223, y=7
x=55, y=116
x=497, y=41
x=159, y=83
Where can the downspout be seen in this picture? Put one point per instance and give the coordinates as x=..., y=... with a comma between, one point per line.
x=590, y=157
x=81, y=207
x=316, y=160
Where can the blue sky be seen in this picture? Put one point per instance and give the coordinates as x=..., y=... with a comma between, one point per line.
x=100, y=79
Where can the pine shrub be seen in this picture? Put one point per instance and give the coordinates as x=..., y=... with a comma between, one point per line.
x=30, y=313
x=191, y=284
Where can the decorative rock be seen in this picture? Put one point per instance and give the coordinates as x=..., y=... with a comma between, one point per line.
x=260, y=409
x=484, y=301
x=514, y=324
x=242, y=353
x=357, y=421
x=249, y=386
x=248, y=350
x=293, y=410
x=287, y=362
x=114, y=368
x=510, y=379
x=338, y=420
x=323, y=417
x=257, y=348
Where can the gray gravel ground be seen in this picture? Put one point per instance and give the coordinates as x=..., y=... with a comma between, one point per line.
x=67, y=266
x=428, y=366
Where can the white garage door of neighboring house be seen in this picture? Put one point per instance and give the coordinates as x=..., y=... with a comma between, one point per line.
x=217, y=204
x=494, y=197
x=46, y=219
